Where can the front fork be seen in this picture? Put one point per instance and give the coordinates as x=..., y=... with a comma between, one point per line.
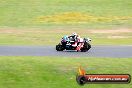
x=80, y=45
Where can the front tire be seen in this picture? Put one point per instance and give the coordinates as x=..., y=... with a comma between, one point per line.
x=86, y=47
x=59, y=47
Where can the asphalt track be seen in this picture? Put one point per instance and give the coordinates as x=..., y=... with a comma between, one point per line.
x=95, y=51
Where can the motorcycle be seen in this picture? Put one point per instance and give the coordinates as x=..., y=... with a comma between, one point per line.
x=67, y=44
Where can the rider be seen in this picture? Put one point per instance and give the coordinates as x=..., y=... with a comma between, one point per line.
x=75, y=38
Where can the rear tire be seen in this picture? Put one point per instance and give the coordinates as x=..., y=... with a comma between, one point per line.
x=59, y=47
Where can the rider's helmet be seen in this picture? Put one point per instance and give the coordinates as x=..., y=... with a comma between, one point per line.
x=74, y=34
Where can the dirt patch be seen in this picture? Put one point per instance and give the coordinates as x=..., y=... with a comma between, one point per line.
x=111, y=31
x=64, y=31
x=117, y=37
x=19, y=31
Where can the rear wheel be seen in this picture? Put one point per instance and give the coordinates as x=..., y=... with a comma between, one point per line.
x=86, y=47
x=59, y=47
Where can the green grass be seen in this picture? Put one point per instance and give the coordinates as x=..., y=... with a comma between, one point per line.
x=14, y=13
x=57, y=72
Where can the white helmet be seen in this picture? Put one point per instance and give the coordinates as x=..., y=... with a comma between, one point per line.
x=74, y=34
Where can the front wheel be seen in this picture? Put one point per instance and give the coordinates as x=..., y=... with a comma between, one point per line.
x=59, y=47
x=85, y=47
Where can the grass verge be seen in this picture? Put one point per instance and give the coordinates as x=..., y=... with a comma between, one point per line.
x=52, y=36
x=58, y=72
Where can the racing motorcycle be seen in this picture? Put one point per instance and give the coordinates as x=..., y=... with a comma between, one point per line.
x=67, y=44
